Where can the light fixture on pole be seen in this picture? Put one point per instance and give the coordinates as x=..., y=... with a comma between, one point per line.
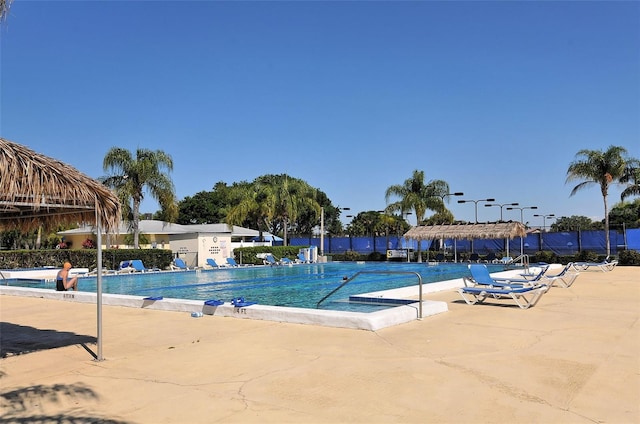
x=544, y=225
x=322, y=228
x=476, y=204
x=500, y=205
x=522, y=222
x=544, y=220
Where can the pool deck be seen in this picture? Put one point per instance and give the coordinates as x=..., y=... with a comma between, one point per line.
x=573, y=358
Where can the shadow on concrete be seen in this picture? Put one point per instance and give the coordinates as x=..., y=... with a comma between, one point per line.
x=20, y=339
x=18, y=405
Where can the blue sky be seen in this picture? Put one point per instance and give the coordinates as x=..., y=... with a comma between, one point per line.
x=495, y=98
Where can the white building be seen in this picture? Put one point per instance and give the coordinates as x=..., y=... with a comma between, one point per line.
x=193, y=243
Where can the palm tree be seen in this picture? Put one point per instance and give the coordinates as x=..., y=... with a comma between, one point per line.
x=418, y=197
x=4, y=8
x=631, y=177
x=288, y=197
x=273, y=201
x=131, y=176
x=249, y=205
x=601, y=168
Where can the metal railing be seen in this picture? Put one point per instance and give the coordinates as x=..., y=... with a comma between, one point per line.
x=347, y=280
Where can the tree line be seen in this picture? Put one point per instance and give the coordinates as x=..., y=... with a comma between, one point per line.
x=284, y=205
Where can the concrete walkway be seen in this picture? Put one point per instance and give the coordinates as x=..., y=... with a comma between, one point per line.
x=573, y=358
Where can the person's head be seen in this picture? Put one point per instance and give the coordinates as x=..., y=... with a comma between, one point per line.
x=67, y=265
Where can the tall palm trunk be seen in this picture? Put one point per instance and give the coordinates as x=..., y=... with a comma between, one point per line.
x=135, y=223
x=606, y=223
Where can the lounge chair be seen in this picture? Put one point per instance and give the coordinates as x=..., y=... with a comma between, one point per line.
x=604, y=266
x=138, y=266
x=271, y=260
x=480, y=276
x=301, y=259
x=286, y=261
x=564, y=278
x=524, y=297
x=179, y=265
x=232, y=262
x=212, y=263
x=125, y=267
x=491, y=258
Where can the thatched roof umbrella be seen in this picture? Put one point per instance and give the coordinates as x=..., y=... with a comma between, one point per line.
x=495, y=230
x=38, y=190
x=505, y=230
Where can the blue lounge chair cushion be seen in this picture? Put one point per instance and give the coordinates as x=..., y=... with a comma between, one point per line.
x=212, y=263
x=239, y=302
x=498, y=291
x=154, y=298
x=214, y=302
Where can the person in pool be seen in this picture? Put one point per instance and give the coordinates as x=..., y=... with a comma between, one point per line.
x=63, y=282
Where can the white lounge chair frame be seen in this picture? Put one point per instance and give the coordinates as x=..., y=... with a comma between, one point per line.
x=524, y=297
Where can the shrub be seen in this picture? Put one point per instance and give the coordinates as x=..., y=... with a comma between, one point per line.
x=545, y=256
x=351, y=255
x=629, y=257
x=586, y=256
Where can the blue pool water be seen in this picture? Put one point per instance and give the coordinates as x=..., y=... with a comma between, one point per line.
x=294, y=286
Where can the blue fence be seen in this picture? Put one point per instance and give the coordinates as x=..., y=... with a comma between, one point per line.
x=562, y=243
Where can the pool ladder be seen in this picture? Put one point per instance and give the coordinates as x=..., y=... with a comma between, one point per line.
x=346, y=281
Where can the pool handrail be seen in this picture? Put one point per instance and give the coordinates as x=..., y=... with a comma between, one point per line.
x=346, y=281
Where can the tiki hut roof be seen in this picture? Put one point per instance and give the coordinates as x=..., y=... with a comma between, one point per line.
x=38, y=190
x=467, y=231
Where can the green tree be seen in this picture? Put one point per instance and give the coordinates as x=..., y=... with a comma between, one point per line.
x=286, y=197
x=575, y=223
x=251, y=207
x=272, y=202
x=631, y=177
x=625, y=215
x=601, y=168
x=130, y=177
x=206, y=207
x=414, y=195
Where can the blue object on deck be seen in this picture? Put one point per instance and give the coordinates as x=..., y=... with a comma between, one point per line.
x=214, y=302
x=153, y=298
x=239, y=302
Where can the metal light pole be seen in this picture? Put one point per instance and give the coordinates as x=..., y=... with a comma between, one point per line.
x=500, y=205
x=476, y=208
x=442, y=196
x=322, y=227
x=322, y=231
x=476, y=204
x=544, y=225
x=522, y=222
x=544, y=220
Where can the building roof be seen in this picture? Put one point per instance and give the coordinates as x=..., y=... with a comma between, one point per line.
x=38, y=190
x=151, y=226
x=491, y=230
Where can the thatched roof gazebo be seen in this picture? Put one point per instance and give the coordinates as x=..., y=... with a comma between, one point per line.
x=37, y=190
x=495, y=230
x=491, y=230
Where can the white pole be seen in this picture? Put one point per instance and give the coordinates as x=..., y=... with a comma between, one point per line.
x=99, y=356
x=322, y=231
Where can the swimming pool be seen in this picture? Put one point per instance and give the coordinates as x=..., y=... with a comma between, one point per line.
x=300, y=286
